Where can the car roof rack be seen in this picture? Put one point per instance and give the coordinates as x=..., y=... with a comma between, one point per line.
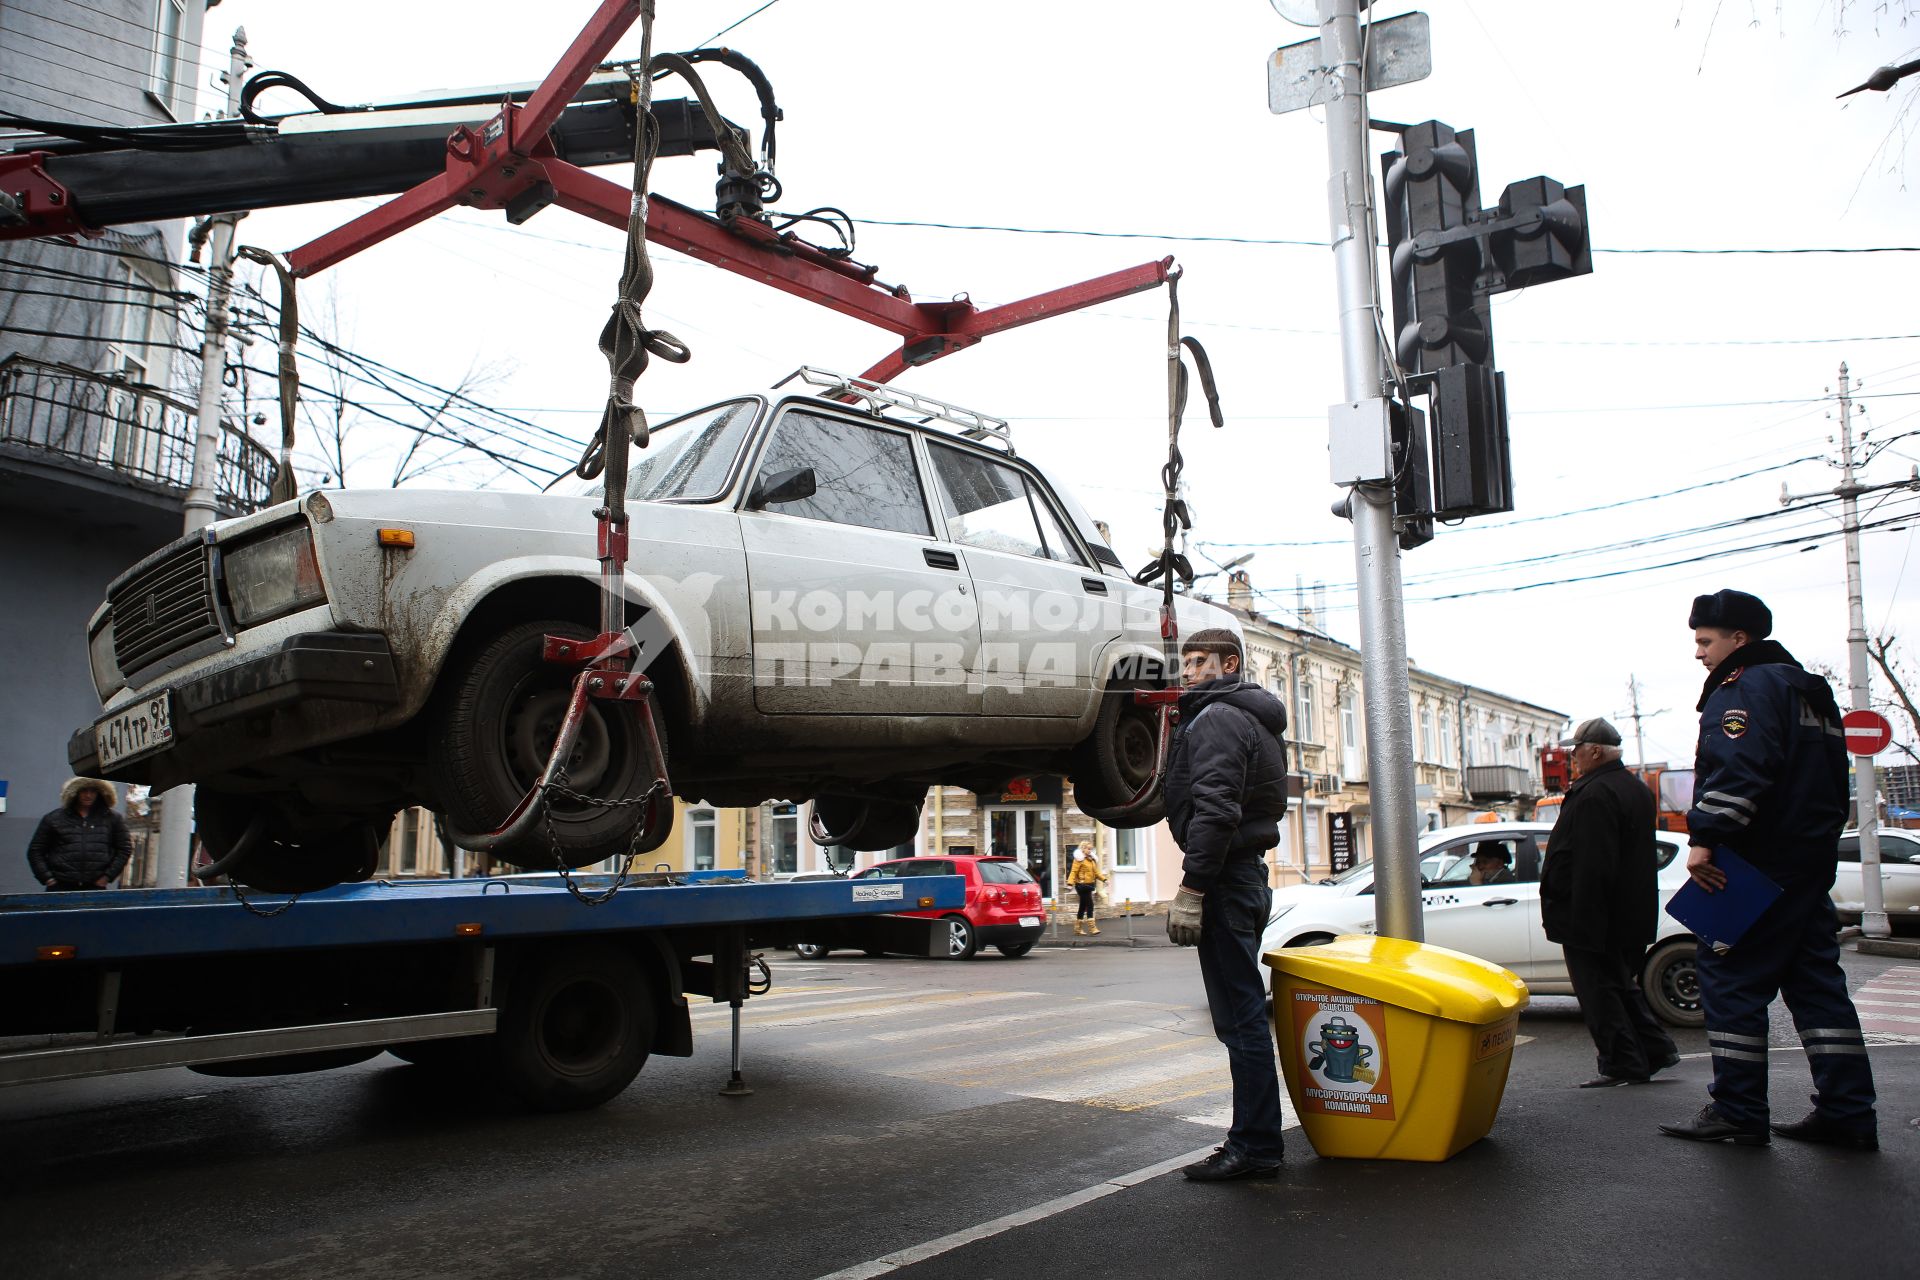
x=879, y=396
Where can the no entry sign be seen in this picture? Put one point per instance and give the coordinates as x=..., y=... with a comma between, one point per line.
x=1868, y=732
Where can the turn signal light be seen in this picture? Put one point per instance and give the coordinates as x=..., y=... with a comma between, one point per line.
x=470, y=930
x=56, y=953
x=926, y=903
x=397, y=538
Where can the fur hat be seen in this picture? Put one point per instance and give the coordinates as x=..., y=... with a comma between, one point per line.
x=109, y=795
x=1732, y=611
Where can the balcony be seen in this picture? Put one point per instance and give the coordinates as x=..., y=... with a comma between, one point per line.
x=1499, y=782
x=137, y=433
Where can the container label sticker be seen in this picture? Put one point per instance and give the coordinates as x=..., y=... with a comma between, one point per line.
x=879, y=892
x=1342, y=1043
x=1497, y=1038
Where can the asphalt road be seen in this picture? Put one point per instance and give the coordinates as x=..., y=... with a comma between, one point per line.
x=930, y=1119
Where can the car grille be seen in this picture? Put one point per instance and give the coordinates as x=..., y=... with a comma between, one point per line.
x=163, y=607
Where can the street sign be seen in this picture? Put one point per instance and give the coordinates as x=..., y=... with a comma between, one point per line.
x=1868, y=732
x=1399, y=51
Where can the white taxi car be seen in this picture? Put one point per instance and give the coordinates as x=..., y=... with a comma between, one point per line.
x=1496, y=922
x=1899, y=875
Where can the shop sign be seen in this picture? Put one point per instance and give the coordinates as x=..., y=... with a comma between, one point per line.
x=1040, y=790
x=1340, y=847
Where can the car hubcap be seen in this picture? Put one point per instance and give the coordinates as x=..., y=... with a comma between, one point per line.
x=1682, y=986
x=536, y=723
x=1135, y=749
x=957, y=937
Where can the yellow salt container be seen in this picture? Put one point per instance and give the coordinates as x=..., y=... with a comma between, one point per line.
x=1393, y=1050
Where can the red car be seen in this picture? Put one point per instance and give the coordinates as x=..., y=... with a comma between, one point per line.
x=1003, y=906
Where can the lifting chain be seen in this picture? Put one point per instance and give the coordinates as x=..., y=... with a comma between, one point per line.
x=646, y=799
x=240, y=896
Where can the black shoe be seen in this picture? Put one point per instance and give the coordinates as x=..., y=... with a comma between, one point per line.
x=1226, y=1164
x=1671, y=1060
x=1711, y=1126
x=1610, y=1082
x=1818, y=1128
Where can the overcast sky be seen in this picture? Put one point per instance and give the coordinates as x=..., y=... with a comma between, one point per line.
x=1695, y=124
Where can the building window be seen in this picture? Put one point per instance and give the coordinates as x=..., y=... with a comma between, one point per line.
x=1309, y=838
x=701, y=831
x=1127, y=848
x=165, y=79
x=783, y=838
x=141, y=322
x=1446, y=736
x=1427, y=752
x=407, y=861
x=1350, y=762
x=1303, y=721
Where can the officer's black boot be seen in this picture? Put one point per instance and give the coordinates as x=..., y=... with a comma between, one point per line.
x=1711, y=1126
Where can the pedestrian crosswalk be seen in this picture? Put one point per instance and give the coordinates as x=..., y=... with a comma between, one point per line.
x=1116, y=1054
x=1889, y=1006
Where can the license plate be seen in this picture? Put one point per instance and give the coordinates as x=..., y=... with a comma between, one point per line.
x=141, y=729
x=1029, y=922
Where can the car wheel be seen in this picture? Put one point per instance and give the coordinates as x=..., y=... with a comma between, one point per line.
x=810, y=951
x=1013, y=950
x=1311, y=940
x=575, y=1028
x=280, y=847
x=1671, y=982
x=496, y=715
x=1116, y=761
x=866, y=823
x=960, y=940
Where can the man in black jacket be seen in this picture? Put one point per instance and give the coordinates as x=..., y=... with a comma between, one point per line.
x=1600, y=901
x=83, y=844
x=1770, y=783
x=1226, y=790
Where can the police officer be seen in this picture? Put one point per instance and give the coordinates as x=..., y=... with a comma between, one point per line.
x=1226, y=790
x=1770, y=783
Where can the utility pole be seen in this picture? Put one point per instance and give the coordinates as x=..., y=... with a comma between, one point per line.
x=1639, y=741
x=1376, y=548
x=1873, y=916
x=202, y=504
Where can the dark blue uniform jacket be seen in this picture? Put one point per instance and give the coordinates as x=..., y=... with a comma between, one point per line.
x=1770, y=776
x=1226, y=783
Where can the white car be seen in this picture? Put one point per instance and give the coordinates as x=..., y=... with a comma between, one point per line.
x=1899, y=874
x=1496, y=922
x=843, y=593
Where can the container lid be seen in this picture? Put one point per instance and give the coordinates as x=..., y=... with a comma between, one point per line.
x=1413, y=975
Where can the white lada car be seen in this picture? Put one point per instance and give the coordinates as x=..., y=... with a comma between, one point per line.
x=842, y=602
x=1497, y=922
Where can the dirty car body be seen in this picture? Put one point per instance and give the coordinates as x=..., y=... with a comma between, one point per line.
x=837, y=602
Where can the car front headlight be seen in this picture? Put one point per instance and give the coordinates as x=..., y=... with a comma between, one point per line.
x=106, y=668
x=273, y=576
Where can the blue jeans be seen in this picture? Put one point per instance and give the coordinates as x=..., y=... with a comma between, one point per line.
x=1231, y=920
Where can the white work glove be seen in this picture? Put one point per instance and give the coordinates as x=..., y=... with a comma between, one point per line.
x=1183, y=918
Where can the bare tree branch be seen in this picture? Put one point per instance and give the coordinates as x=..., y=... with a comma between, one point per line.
x=1881, y=651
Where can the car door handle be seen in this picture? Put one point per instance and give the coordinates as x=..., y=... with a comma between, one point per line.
x=941, y=559
x=1501, y=902
x=1097, y=586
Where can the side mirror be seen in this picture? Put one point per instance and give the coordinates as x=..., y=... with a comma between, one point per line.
x=782, y=486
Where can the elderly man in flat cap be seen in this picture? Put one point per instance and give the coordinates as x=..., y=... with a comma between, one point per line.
x=1600, y=902
x=1770, y=784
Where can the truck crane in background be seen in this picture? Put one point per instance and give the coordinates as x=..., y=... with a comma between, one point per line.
x=1672, y=789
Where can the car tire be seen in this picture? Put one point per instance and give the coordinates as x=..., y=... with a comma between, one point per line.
x=1013, y=950
x=496, y=712
x=867, y=823
x=961, y=942
x=811, y=951
x=1671, y=982
x=1311, y=940
x=1115, y=761
x=575, y=1028
x=293, y=851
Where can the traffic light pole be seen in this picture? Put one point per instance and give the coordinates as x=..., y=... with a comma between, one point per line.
x=1873, y=903
x=1383, y=635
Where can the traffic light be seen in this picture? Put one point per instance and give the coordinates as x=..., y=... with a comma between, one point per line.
x=1432, y=202
x=1541, y=233
x=1412, y=483
x=1472, y=474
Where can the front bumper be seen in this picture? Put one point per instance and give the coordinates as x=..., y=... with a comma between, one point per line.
x=316, y=688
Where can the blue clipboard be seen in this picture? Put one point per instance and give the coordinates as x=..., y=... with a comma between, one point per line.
x=1722, y=918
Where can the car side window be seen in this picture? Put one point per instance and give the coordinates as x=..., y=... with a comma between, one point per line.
x=1849, y=848
x=996, y=507
x=863, y=475
x=939, y=867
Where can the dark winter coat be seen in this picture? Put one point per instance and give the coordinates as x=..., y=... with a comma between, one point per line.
x=1226, y=784
x=1598, y=890
x=1770, y=775
x=70, y=849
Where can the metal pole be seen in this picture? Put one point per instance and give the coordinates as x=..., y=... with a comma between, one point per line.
x=1873, y=915
x=1639, y=743
x=1383, y=637
x=202, y=504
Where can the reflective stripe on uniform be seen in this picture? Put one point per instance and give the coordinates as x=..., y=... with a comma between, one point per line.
x=1730, y=1038
x=1860, y=1049
x=1833, y=1033
x=1744, y=1055
x=1742, y=818
x=1724, y=798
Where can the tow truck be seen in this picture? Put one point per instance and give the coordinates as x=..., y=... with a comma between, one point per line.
x=512, y=978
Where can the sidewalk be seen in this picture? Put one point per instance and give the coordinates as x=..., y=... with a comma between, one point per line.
x=1145, y=931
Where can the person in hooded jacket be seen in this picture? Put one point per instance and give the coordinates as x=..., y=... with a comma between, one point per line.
x=1226, y=791
x=1600, y=900
x=1770, y=783
x=83, y=844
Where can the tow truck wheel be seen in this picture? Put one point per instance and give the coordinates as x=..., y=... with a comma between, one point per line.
x=575, y=1028
x=292, y=851
x=1116, y=761
x=498, y=710
x=1671, y=982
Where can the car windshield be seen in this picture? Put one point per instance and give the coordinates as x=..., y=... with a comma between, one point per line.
x=1358, y=871
x=1003, y=873
x=690, y=458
